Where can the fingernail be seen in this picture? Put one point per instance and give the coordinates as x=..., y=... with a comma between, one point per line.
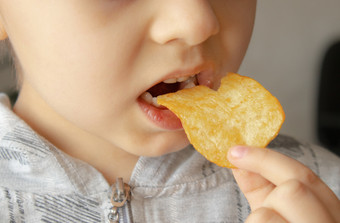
x=238, y=151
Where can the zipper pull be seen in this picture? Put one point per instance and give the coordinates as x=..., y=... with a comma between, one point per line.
x=121, y=193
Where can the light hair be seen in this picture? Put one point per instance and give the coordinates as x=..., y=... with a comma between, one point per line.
x=3, y=50
x=7, y=55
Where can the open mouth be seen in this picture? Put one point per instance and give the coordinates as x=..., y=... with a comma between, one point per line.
x=161, y=116
x=168, y=86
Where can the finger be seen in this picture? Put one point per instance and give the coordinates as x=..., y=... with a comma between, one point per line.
x=297, y=203
x=278, y=169
x=265, y=215
x=254, y=187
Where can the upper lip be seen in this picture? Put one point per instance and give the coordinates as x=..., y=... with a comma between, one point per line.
x=185, y=72
x=204, y=72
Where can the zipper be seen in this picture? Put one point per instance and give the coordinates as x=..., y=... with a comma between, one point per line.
x=120, y=198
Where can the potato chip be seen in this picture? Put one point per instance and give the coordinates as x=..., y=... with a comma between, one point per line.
x=241, y=112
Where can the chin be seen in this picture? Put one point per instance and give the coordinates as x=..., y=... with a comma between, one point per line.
x=164, y=145
x=172, y=149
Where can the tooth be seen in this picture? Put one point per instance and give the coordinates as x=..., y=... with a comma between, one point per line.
x=191, y=79
x=146, y=96
x=170, y=81
x=154, y=102
x=181, y=79
x=189, y=85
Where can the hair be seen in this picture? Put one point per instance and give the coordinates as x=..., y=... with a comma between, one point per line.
x=7, y=55
x=3, y=50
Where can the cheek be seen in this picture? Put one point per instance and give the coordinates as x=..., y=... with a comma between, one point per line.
x=236, y=25
x=236, y=41
x=81, y=80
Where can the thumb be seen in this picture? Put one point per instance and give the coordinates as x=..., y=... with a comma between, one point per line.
x=255, y=187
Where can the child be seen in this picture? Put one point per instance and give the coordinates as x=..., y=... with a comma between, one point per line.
x=85, y=119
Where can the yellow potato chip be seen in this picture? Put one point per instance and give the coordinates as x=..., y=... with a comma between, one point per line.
x=241, y=112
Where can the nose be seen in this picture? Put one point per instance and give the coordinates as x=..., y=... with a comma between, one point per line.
x=190, y=21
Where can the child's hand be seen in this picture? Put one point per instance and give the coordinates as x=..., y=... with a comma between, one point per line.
x=280, y=189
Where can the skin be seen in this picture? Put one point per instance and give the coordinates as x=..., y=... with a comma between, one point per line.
x=280, y=189
x=84, y=63
x=83, y=69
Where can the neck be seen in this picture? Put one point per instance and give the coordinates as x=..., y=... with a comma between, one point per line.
x=111, y=161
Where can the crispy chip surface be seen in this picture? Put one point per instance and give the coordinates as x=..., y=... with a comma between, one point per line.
x=241, y=112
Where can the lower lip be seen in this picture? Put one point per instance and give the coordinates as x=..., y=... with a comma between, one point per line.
x=163, y=118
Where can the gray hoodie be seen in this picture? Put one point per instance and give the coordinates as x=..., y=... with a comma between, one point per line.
x=40, y=183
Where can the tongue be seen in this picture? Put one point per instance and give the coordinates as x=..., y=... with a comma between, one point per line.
x=163, y=88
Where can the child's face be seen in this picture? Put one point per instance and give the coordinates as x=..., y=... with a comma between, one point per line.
x=91, y=60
